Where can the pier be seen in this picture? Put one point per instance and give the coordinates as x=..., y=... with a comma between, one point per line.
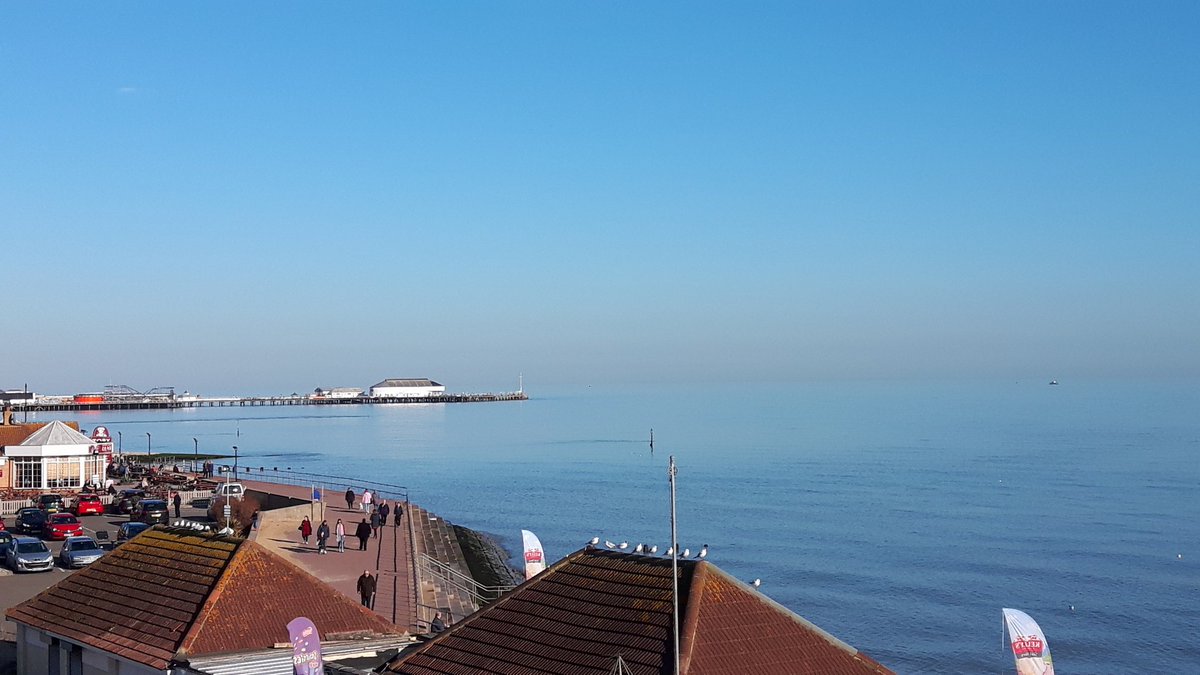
x=168, y=403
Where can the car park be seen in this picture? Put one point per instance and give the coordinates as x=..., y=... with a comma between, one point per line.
x=151, y=512
x=87, y=505
x=51, y=503
x=30, y=520
x=129, y=531
x=61, y=526
x=26, y=554
x=79, y=551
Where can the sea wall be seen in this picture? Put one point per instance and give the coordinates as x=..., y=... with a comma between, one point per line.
x=486, y=558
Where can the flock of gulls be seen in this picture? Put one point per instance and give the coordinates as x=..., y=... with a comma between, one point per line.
x=644, y=549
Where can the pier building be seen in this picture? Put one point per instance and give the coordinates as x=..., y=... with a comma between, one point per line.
x=54, y=456
x=407, y=388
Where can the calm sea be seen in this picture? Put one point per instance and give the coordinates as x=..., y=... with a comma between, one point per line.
x=899, y=516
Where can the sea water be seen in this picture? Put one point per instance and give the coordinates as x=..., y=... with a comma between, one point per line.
x=898, y=516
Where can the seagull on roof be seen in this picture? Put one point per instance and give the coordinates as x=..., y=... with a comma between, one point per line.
x=594, y=541
x=757, y=583
x=638, y=548
x=670, y=551
x=686, y=553
x=609, y=544
x=654, y=549
x=703, y=553
x=623, y=545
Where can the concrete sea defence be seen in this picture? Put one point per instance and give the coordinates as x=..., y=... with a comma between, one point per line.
x=486, y=558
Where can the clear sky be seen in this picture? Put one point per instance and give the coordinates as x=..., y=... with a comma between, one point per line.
x=271, y=197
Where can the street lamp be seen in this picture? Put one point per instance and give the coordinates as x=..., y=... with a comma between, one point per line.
x=196, y=448
x=119, y=444
x=147, y=446
x=235, y=462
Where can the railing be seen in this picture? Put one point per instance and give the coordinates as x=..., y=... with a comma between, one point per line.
x=10, y=506
x=435, y=571
x=333, y=484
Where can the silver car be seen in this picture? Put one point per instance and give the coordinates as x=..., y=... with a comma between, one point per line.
x=26, y=554
x=79, y=551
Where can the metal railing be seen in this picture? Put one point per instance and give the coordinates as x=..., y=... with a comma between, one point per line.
x=436, y=571
x=334, y=484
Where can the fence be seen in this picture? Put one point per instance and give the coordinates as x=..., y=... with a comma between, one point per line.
x=331, y=484
x=451, y=581
x=10, y=506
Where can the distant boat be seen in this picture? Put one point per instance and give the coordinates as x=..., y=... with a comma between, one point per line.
x=1053, y=381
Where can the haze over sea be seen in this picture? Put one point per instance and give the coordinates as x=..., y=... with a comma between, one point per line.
x=900, y=516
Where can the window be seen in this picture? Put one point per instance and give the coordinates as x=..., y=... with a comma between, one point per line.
x=27, y=473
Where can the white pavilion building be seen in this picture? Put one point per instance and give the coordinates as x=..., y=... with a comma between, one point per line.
x=55, y=457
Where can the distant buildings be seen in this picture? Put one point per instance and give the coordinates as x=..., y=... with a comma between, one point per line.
x=338, y=392
x=407, y=388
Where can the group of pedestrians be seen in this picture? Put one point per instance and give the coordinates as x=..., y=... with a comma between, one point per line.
x=366, y=528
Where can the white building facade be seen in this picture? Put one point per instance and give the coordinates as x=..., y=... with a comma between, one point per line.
x=55, y=457
x=407, y=388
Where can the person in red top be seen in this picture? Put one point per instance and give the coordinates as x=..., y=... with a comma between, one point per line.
x=305, y=529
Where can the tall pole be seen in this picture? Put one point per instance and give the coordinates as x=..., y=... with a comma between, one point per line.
x=120, y=445
x=196, y=451
x=235, y=462
x=147, y=446
x=674, y=559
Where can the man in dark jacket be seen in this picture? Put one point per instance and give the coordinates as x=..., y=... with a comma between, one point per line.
x=384, y=510
x=366, y=589
x=375, y=524
x=399, y=512
x=363, y=532
x=349, y=498
x=177, y=501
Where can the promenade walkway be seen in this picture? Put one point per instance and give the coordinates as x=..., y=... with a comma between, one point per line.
x=388, y=557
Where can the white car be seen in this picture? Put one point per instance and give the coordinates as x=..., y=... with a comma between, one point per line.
x=79, y=551
x=232, y=490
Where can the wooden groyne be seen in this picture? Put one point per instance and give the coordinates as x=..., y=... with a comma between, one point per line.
x=255, y=401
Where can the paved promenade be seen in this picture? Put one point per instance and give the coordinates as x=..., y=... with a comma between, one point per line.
x=388, y=556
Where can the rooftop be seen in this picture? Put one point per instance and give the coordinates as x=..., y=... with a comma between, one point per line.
x=412, y=382
x=590, y=607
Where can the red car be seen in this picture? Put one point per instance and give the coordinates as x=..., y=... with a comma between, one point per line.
x=61, y=526
x=88, y=504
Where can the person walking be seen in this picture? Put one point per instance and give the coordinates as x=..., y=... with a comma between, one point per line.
x=384, y=510
x=399, y=512
x=366, y=589
x=305, y=529
x=375, y=524
x=178, y=502
x=322, y=537
x=363, y=532
x=349, y=498
x=340, y=531
x=366, y=501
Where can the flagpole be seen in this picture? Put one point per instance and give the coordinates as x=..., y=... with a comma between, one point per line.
x=674, y=559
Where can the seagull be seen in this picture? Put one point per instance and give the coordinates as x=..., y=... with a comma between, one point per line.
x=654, y=549
x=756, y=583
x=623, y=545
x=670, y=551
x=703, y=553
x=638, y=548
x=1179, y=556
x=686, y=552
x=609, y=544
x=594, y=541
x=1072, y=607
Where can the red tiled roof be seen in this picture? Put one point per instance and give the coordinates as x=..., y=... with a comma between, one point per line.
x=594, y=605
x=169, y=593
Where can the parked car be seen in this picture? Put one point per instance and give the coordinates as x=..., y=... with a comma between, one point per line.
x=51, y=503
x=87, y=505
x=30, y=520
x=26, y=554
x=233, y=490
x=79, y=551
x=126, y=500
x=151, y=512
x=129, y=531
x=61, y=526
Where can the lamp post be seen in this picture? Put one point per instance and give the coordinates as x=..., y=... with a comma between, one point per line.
x=119, y=444
x=196, y=450
x=235, y=462
x=147, y=446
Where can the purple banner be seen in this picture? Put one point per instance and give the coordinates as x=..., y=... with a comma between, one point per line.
x=306, y=647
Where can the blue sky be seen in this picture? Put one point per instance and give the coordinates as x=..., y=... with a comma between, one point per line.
x=270, y=198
